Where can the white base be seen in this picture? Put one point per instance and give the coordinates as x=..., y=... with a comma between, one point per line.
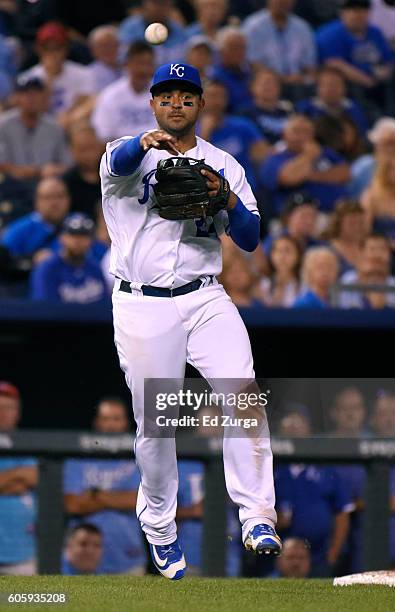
x=385, y=578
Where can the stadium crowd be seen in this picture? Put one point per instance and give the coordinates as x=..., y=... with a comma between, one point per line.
x=320, y=507
x=300, y=92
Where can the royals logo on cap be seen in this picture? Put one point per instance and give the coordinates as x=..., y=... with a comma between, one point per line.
x=176, y=73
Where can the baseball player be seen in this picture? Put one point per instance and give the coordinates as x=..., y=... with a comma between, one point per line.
x=168, y=307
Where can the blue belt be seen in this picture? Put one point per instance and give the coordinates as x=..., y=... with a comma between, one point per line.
x=163, y=291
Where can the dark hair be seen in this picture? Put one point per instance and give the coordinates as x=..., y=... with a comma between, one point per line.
x=342, y=209
x=328, y=132
x=88, y=527
x=294, y=242
x=377, y=236
x=137, y=48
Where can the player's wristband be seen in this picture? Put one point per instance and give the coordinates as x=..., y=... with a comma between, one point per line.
x=127, y=157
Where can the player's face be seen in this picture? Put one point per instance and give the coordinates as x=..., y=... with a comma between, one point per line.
x=84, y=551
x=294, y=425
x=9, y=413
x=176, y=111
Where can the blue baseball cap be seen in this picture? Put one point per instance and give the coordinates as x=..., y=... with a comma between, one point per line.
x=78, y=223
x=176, y=73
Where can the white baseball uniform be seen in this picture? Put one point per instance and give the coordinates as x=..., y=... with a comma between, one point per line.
x=156, y=336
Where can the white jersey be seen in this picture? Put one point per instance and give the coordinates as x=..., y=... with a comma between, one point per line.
x=150, y=250
x=119, y=110
x=74, y=81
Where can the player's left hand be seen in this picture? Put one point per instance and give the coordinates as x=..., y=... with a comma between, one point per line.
x=213, y=185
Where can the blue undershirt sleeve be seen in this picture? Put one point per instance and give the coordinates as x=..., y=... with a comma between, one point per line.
x=244, y=227
x=126, y=158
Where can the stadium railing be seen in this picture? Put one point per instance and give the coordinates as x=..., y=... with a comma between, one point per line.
x=52, y=447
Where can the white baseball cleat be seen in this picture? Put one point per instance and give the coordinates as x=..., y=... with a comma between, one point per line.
x=263, y=539
x=169, y=560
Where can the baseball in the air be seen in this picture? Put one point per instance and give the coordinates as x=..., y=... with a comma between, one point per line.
x=156, y=33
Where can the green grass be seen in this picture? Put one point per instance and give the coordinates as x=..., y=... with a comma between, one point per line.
x=120, y=593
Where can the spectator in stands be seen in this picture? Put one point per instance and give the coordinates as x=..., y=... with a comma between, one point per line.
x=353, y=145
x=32, y=145
x=296, y=422
x=123, y=107
x=240, y=282
x=82, y=179
x=210, y=17
x=374, y=268
x=35, y=234
x=348, y=413
x=319, y=273
x=190, y=511
x=382, y=137
x=83, y=551
x=298, y=220
x=279, y=40
x=303, y=165
x=379, y=200
x=104, y=46
x=68, y=81
x=317, y=12
x=331, y=100
x=237, y=135
x=314, y=505
x=18, y=479
x=281, y=286
x=200, y=53
x=104, y=492
x=357, y=49
x=232, y=67
x=268, y=111
x=294, y=561
x=382, y=15
x=71, y=276
x=382, y=420
x=132, y=30
x=346, y=234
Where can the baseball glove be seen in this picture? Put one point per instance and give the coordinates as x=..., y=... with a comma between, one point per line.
x=182, y=193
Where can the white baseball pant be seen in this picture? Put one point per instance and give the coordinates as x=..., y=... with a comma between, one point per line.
x=155, y=337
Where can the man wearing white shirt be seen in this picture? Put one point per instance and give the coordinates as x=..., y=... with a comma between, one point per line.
x=123, y=107
x=69, y=82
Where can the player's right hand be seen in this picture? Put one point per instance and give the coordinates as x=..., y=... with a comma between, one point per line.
x=159, y=139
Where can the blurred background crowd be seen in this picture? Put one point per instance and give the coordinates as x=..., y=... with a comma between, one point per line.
x=320, y=507
x=299, y=91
